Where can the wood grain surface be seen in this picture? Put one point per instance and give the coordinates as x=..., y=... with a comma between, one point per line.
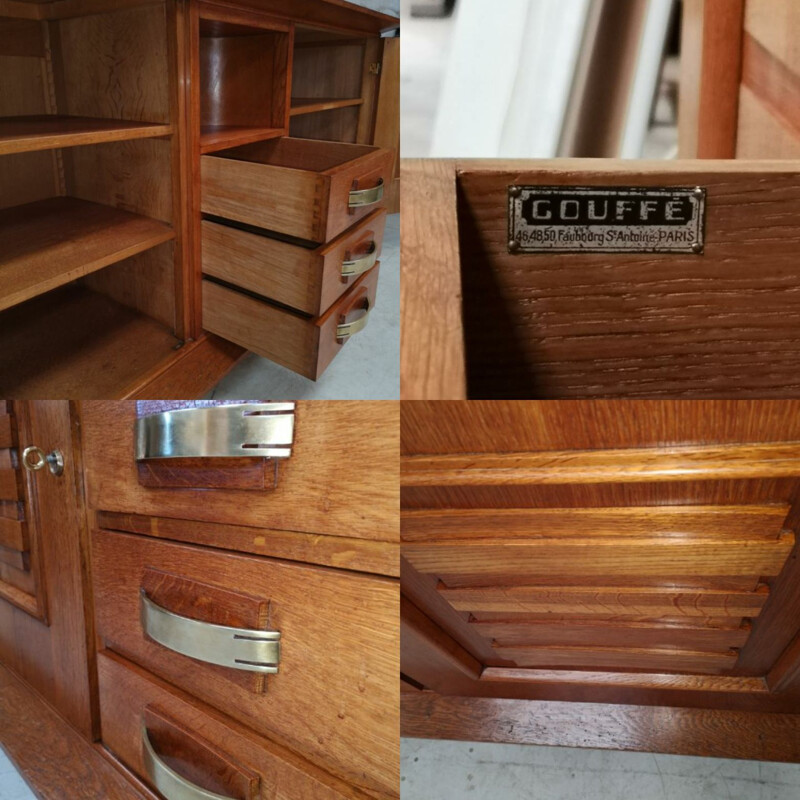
x=722, y=324
x=684, y=731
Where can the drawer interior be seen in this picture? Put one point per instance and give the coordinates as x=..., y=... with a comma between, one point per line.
x=305, y=155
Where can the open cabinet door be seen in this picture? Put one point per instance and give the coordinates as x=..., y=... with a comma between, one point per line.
x=701, y=305
x=632, y=553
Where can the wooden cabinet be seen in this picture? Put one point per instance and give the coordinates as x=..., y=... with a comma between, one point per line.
x=630, y=553
x=121, y=126
x=231, y=620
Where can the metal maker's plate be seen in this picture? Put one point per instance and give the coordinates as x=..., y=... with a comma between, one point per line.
x=606, y=219
x=246, y=429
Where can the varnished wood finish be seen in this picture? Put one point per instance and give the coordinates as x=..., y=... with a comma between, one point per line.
x=127, y=691
x=208, y=473
x=309, y=280
x=304, y=345
x=699, y=732
x=298, y=187
x=432, y=359
x=51, y=754
x=323, y=616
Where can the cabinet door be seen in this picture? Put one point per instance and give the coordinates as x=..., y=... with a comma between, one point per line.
x=628, y=552
x=43, y=590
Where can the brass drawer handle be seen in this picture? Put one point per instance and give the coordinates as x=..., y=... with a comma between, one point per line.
x=243, y=430
x=167, y=781
x=361, y=265
x=238, y=648
x=366, y=197
x=346, y=329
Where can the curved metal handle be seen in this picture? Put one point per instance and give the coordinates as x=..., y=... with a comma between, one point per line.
x=366, y=197
x=346, y=329
x=361, y=265
x=239, y=648
x=167, y=781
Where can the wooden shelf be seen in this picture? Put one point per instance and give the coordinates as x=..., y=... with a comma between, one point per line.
x=50, y=131
x=51, y=242
x=223, y=137
x=76, y=343
x=310, y=105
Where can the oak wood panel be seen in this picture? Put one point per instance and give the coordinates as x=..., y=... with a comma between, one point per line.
x=657, y=659
x=764, y=521
x=127, y=691
x=335, y=124
x=312, y=495
x=12, y=534
x=605, y=558
x=14, y=559
x=8, y=484
x=387, y=115
x=486, y=427
x=304, y=345
x=432, y=358
x=572, y=325
x=51, y=754
x=332, y=624
x=589, y=634
x=759, y=128
x=28, y=177
x=685, y=731
x=208, y=473
x=773, y=24
x=358, y=555
x=775, y=460
x=7, y=435
x=197, y=760
x=52, y=242
x=785, y=674
x=312, y=105
x=299, y=187
x=28, y=133
x=605, y=601
x=309, y=280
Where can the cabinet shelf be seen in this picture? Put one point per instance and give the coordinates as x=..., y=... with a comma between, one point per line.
x=50, y=131
x=311, y=105
x=51, y=242
x=214, y=138
x=73, y=342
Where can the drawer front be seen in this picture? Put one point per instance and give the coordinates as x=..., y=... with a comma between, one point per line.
x=201, y=746
x=309, y=189
x=310, y=280
x=334, y=697
x=306, y=346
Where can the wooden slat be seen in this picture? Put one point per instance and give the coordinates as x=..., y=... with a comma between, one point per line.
x=604, y=466
x=6, y=431
x=8, y=485
x=764, y=521
x=14, y=558
x=601, y=557
x=12, y=534
x=613, y=634
x=605, y=601
x=651, y=729
x=658, y=659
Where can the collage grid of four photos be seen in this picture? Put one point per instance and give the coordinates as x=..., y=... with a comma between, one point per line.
x=399, y=399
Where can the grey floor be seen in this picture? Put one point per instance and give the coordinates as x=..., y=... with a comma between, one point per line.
x=368, y=368
x=12, y=787
x=458, y=770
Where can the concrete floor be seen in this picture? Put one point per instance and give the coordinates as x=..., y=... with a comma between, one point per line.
x=368, y=368
x=12, y=787
x=457, y=770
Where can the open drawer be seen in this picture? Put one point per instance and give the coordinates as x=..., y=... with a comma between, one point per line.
x=308, y=279
x=305, y=188
x=305, y=655
x=306, y=345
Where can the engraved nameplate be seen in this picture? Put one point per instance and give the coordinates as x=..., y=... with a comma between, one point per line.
x=606, y=219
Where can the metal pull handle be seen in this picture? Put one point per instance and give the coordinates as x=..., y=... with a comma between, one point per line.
x=238, y=648
x=167, y=781
x=366, y=197
x=361, y=265
x=34, y=459
x=346, y=329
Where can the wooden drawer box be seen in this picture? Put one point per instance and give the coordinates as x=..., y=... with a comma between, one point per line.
x=308, y=279
x=198, y=743
x=302, y=344
x=309, y=189
x=334, y=698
